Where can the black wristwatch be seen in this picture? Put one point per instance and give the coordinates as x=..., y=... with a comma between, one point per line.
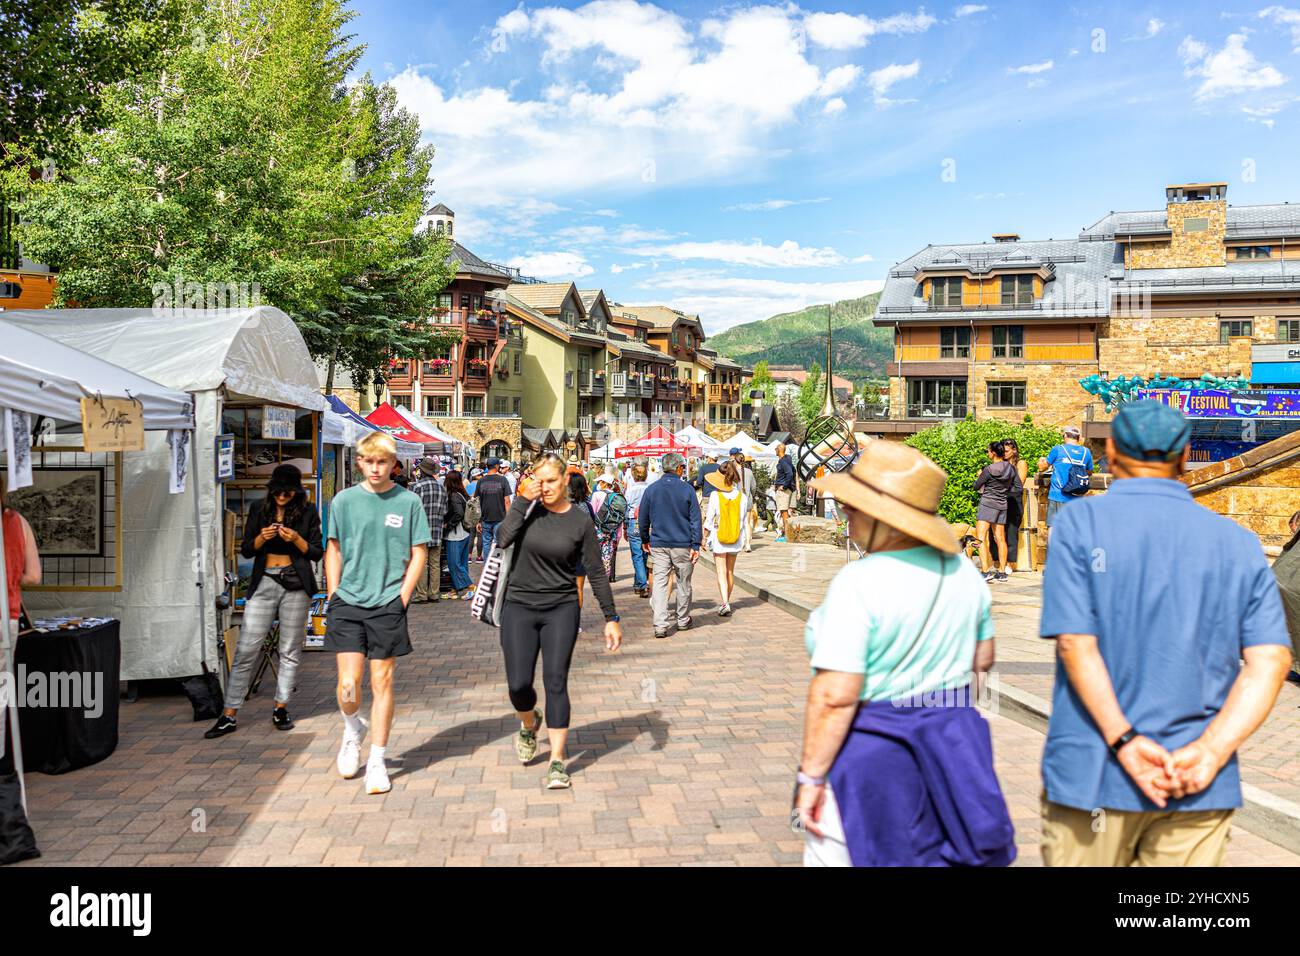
x=613, y=620
x=1126, y=737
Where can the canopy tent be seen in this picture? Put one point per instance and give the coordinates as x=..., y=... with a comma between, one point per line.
x=386, y=418
x=657, y=442
x=690, y=435
x=220, y=356
x=604, y=452
x=451, y=445
x=343, y=426
x=751, y=446
x=41, y=376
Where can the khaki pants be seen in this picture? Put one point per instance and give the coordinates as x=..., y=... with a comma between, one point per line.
x=427, y=588
x=1073, y=837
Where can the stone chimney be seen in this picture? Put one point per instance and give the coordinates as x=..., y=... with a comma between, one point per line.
x=1197, y=214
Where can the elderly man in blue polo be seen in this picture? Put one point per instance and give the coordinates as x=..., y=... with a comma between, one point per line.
x=1154, y=602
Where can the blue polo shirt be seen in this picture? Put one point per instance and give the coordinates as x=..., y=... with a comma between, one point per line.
x=1173, y=593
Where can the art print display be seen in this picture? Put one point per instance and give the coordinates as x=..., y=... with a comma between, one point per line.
x=65, y=507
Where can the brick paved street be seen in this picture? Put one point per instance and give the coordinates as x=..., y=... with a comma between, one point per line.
x=682, y=752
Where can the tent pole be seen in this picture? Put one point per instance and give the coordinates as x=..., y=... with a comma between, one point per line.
x=201, y=583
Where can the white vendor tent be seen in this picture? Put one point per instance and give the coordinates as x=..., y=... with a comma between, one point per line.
x=429, y=428
x=40, y=376
x=751, y=446
x=219, y=356
x=690, y=435
x=342, y=426
x=604, y=452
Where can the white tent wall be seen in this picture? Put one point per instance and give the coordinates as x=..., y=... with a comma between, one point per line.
x=158, y=603
x=249, y=355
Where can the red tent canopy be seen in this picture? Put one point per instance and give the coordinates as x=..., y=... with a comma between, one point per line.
x=659, y=441
x=386, y=417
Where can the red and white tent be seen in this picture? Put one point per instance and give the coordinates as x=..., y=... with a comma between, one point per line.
x=390, y=420
x=658, y=441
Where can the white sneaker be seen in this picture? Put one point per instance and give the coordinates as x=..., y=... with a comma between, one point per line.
x=377, y=779
x=349, y=761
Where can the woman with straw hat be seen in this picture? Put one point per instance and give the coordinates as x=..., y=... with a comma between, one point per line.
x=724, y=525
x=897, y=765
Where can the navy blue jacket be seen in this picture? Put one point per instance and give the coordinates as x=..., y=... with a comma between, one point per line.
x=784, y=473
x=670, y=514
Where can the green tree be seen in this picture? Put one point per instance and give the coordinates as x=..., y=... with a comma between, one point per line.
x=764, y=382
x=60, y=55
x=960, y=449
x=809, y=401
x=242, y=158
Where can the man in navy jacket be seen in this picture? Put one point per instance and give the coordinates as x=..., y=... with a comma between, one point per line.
x=670, y=531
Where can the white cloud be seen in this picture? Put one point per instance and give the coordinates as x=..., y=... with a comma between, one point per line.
x=788, y=255
x=845, y=31
x=771, y=205
x=553, y=265
x=1229, y=71
x=1283, y=16
x=834, y=107
x=883, y=79
x=722, y=301
x=1032, y=68
x=615, y=268
x=1154, y=26
x=969, y=9
x=840, y=80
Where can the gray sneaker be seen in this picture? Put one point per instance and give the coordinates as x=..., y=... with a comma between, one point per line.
x=556, y=778
x=526, y=740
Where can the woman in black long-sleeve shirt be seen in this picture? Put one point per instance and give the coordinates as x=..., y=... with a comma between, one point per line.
x=541, y=605
x=283, y=537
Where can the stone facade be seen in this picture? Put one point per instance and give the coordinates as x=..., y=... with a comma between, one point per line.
x=479, y=431
x=723, y=430
x=1053, y=396
x=1186, y=249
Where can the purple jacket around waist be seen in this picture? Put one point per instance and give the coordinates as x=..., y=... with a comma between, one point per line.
x=915, y=787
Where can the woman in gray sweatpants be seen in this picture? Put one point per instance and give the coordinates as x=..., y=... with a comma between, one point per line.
x=282, y=535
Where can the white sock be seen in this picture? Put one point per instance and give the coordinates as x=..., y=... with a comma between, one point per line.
x=353, y=722
x=376, y=755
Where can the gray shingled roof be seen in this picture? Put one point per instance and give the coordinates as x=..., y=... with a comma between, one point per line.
x=473, y=265
x=1248, y=276
x=1079, y=285
x=1265, y=220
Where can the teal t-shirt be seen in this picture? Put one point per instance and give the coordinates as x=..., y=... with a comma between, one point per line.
x=375, y=533
x=870, y=623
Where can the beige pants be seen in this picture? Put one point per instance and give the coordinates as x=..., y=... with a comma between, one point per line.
x=1073, y=837
x=426, y=588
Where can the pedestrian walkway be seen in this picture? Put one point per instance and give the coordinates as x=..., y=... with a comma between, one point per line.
x=796, y=576
x=684, y=751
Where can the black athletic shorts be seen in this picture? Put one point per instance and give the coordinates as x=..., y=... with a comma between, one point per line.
x=378, y=632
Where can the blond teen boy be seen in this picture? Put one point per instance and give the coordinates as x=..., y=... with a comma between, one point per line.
x=376, y=550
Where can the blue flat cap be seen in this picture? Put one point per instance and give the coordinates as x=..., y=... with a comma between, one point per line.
x=1150, y=431
x=734, y=451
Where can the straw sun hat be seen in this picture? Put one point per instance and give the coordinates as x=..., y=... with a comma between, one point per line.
x=899, y=486
x=717, y=481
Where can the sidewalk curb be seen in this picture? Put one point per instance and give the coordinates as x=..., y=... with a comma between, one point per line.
x=1264, y=814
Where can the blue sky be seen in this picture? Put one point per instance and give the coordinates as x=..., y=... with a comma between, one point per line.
x=741, y=159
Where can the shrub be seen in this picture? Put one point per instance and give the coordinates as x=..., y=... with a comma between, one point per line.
x=960, y=449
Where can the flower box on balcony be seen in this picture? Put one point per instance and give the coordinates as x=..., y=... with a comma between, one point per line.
x=439, y=367
x=477, y=364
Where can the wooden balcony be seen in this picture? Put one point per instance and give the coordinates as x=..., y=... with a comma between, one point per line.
x=673, y=390
x=476, y=328
x=591, y=384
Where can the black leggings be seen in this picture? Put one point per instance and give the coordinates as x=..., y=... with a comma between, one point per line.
x=554, y=632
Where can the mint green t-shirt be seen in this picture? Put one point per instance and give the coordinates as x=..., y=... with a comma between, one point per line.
x=870, y=623
x=375, y=533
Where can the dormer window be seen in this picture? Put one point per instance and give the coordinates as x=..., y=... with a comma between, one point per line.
x=1253, y=252
x=1018, y=290
x=945, y=293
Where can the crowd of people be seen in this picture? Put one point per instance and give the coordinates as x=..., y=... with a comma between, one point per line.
x=1150, y=704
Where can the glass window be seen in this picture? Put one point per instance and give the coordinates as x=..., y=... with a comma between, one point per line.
x=954, y=342
x=1288, y=330
x=936, y=398
x=1231, y=327
x=500, y=405
x=1006, y=395
x=1018, y=290
x=473, y=405
x=519, y=362
x=437, y=405
x=945, y=293
x=517, y=406
x=1008, y=341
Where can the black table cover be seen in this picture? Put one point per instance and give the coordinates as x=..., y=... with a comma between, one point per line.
x=59, y=739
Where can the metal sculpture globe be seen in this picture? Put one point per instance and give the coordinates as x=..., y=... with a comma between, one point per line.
x=829, y=444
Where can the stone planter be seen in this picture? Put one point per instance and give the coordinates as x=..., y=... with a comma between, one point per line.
x=810, y=529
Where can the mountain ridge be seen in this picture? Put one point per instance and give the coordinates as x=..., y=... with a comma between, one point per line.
x=798, y=338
